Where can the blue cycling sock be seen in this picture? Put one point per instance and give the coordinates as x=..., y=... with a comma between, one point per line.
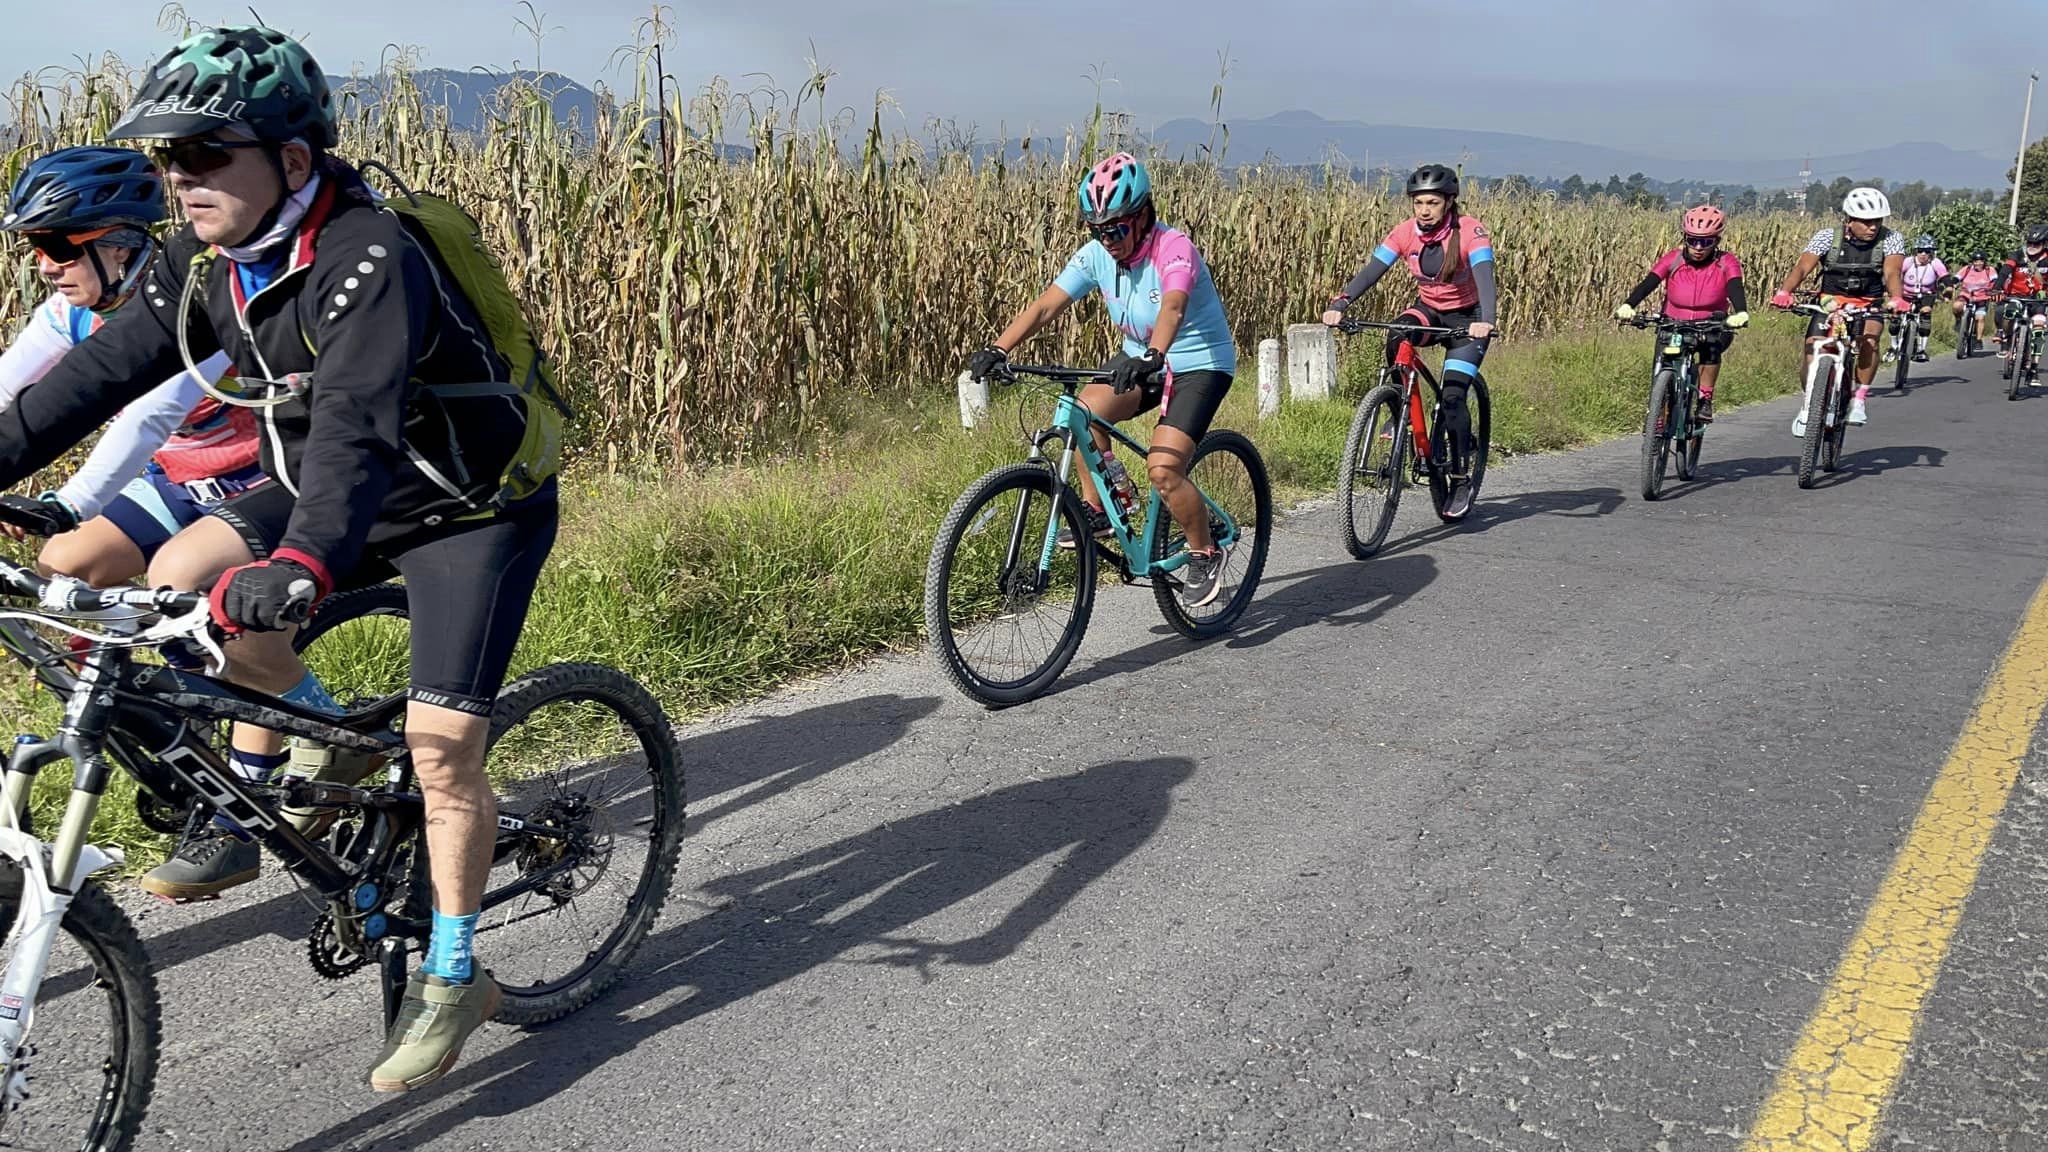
x=448, y=949
x=309, y=693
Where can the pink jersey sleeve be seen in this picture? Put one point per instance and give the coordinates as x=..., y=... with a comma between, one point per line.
x=1175, y=259
x=1402, y=240
x=1665, y=263
x=1732, y=268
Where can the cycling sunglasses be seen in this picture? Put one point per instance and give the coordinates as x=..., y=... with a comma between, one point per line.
x=61, y=249
x=1112, y=232
x=199, y=157
x=1702, y=241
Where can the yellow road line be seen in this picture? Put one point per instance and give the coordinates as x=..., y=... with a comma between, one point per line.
x=1830, y=1094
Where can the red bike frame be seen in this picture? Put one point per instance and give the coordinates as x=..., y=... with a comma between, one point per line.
x=1418, y=424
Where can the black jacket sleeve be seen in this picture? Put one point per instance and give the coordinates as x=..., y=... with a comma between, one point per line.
x=1642, y=291
x=367, y=299
x=133, y=352
x=1363, y=282
x=1738, y=297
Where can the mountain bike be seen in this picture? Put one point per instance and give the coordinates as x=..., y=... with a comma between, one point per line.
x=2023, y=341
x=1397, y=439
x=1907, y=330
x=1967, y=343
x=589, y=824
x=1830, y=384
x=998, y=583
x=1672, y=417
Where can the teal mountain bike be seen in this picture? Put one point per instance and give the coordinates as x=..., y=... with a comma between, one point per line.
x=1005, y=605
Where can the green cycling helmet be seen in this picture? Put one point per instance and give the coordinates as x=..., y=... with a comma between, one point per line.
x=258, y=78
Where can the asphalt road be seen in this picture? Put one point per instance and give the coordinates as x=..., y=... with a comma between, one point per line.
x=1542, y=833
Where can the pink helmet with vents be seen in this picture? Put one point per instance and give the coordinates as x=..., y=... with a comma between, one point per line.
x=1114, y=188
x=1703, y=221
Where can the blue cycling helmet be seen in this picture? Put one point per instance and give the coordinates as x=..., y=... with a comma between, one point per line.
x=1114, y=188
x=82, y=189
x=1924, y=244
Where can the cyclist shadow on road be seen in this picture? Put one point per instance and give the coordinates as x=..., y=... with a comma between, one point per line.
x=1346, y=594
x=1866, y=462
x=1491, y=512
x=726, y=769
x=743, y=764
x=853, y=901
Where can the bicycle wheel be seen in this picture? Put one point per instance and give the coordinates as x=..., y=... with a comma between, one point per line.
x=1371, y=474
x=1453, y=501
x=2012, y=354
x=1909, y=340
x=1228, y=470
x=98, y=1028
x=364, y=639
x=1688, y=446
x=1657, y=433
x=1822, y=374
x=1831, y=443
x=586, y=749
x=1001, y=628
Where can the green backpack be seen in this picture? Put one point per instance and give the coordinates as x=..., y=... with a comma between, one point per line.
x=456, y=238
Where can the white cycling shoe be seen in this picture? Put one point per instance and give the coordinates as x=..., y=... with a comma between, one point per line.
x=1857, y=416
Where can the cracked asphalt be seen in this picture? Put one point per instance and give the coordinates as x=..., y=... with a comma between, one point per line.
x=1541, y=833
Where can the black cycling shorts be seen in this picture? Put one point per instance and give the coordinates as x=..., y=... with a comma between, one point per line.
x=468, y=585
x=1192, y=402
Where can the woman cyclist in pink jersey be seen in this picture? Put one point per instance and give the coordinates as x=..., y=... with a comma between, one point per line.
x=1977, y=284
x=1450, y=256
x=1700, y=282
x=1177, y=355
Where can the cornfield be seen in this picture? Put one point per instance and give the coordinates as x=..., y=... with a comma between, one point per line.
x=702, y=303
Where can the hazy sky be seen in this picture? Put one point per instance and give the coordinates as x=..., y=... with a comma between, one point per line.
x=1723, y=79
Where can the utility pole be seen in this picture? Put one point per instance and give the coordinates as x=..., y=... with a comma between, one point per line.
x=2019, y=166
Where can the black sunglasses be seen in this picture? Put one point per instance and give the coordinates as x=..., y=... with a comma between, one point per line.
x=198, y=157
x=1113, y=231
x=1701, y=241
x=61, y=249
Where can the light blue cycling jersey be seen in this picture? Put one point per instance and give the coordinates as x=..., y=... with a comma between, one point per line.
x=1167, y=263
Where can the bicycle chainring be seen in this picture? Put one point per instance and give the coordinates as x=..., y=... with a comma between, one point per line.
x=336, y=949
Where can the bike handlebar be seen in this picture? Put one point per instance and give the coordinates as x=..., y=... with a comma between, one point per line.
x=1354, y=327
x=64, y=594
x=1654, y=320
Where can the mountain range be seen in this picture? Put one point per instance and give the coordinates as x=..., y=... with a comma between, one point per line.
x=1305, y=138
x=1302, y=137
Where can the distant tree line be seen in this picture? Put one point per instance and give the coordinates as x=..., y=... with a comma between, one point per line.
x=1912, y=200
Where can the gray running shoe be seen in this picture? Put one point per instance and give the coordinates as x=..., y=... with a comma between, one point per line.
x=209, y=863
x=1201, y=578
x=1098, y=526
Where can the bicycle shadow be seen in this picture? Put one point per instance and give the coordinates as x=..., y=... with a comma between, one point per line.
x=1488, y=513
x=736, y=766
x=1866, y=462
x=1914, y=384
x=1340, y=595
x=851, y=901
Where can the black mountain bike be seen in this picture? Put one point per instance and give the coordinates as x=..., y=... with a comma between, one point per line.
x=590, y=820
x=1396, y=439
x=2022, y=345
x=1907, y=330
x=1967, y=344
x=1671, y=421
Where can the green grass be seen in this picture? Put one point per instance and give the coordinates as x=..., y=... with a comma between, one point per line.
x=717, y=586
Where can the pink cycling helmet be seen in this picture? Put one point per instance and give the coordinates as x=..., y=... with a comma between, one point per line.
x=1703, y=221
x=1114, y=188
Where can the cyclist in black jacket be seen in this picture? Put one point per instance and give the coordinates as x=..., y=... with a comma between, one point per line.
x=328, y=308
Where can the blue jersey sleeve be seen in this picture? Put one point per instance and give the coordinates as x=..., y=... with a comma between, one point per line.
x=1080, y=276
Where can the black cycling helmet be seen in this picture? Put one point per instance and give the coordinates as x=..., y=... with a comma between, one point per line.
x=76, y=190
x=257, y=78
x=2037, y=236
x=1980, y=254
x=1433, y=178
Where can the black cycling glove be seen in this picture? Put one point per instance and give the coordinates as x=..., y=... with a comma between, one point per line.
x=1128, y=372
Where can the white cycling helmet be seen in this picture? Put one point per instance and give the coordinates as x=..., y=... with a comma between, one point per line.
x=1866, y=204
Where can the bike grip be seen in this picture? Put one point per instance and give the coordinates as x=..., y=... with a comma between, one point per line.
x=297, y=609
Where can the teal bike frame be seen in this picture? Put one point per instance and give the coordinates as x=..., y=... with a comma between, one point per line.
x=1071, y=427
